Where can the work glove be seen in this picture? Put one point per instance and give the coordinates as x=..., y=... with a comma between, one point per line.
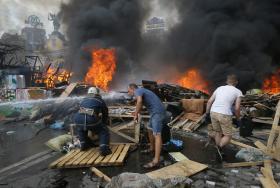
x=207, y=118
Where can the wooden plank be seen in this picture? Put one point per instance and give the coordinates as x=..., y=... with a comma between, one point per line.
x=268, y=180
x=242, y=164
x=130, y=124
x=83, y=156
x=122, y=135
x=137, y=130
x=94, y=157
x=100, y=174
x=61, y=163
x=85, y=160
x=199, y=122
x=180, y=124
x=261, y=146
x=120, y=159
x=108, y=157
x=175, y=119
x=274, y=126
x=181, y=168
x=98, y=160
x=241, y=144
x=73, y=159
x=267, y=165
x=117, y=153
x=53, y=164
x=267, y=122
x=68, y=90
x=177, y=156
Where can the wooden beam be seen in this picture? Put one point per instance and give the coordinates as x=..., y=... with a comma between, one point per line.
x=268, y=179
x=122, y=135
x=274, y=126
x=261, y=146
x=242, y=164
x=175, y=119
x=241, y=144
x=100, y=174
x=177, y=156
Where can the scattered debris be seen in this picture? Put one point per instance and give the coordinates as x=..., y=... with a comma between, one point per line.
x=141, y=180
x=242, y=164
x=100, y=174
x=10, y=132
x=184, y=168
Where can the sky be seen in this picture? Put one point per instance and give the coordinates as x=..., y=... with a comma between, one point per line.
x=13, y=13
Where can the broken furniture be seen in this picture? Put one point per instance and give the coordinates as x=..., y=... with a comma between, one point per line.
x=192, y=117
x=125, y=112
x=92, y=157
x=273, y=144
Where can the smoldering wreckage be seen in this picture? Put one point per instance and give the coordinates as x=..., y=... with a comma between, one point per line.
x=41, y=142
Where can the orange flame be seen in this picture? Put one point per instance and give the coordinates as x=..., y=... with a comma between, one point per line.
x=102, y=69
x=53, y=76
x=192, y=79
x=272, y=83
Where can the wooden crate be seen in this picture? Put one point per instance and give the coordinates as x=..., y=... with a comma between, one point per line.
x=92, y=157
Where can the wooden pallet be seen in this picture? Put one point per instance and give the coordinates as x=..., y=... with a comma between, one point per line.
x=92, y=157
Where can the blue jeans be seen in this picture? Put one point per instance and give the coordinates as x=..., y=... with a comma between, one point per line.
x=156, y=122
x=102, y=131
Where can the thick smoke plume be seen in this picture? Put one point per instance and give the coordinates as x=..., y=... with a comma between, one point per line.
x=216, y=36
x=104, y=24
x=221, y=37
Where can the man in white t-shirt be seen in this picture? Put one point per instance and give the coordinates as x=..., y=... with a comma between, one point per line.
x=219, y=107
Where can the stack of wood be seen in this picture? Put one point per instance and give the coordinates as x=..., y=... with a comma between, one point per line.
x=168, y=92
x=192, y=116
x=260, y=107
x=121, y=110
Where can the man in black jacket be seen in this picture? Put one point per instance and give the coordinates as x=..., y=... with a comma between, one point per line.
x=93, y=116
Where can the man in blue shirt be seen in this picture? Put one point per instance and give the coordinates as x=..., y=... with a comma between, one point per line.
x=158, y=117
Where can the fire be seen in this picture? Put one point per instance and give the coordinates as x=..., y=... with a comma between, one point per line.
x=192, y=79
x=102, y=69
x=54, y=76
x=272, y=83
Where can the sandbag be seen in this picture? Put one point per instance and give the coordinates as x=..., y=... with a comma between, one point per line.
x=57, y=143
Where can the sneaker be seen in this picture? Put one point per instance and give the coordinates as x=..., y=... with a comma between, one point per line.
x=105, y=151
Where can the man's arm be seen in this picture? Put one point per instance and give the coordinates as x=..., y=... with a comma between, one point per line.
x=105, y=118
x=209, y=103
x=237, y=107
x=139, y=105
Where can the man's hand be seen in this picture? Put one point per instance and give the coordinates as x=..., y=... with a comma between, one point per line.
x=135, y=116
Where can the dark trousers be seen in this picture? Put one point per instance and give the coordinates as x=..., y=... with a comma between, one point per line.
x=102, y=131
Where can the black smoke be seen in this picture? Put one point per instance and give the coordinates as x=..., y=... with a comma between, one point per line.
x=103, y=24
x=222, y=37
x=216, y=36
